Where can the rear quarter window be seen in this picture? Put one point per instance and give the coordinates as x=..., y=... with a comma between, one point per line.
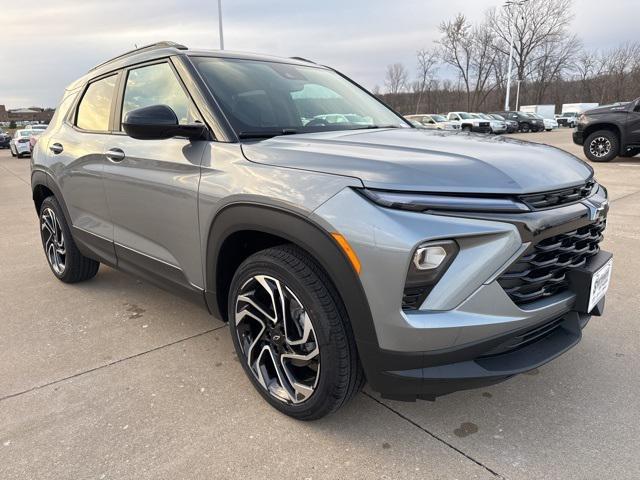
x=95, y=107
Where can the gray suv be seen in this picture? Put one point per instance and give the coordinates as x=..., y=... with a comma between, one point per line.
x=339, y=243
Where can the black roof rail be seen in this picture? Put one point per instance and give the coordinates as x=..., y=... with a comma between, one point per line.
x=303, y=60
x=152, y=46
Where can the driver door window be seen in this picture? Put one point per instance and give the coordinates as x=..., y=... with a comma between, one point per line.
x=157, y=85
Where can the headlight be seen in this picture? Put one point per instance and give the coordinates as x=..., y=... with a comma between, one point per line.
x=417, y=202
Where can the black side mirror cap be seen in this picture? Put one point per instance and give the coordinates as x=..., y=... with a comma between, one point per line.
x=159, y=122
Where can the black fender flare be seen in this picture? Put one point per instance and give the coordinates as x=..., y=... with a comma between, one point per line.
x=40, y=177
x=302, y=231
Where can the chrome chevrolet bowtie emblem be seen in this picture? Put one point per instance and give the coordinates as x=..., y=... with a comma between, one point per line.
x=596, y=211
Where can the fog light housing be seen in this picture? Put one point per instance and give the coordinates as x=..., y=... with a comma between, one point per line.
x=428, y=263
x=429, y=257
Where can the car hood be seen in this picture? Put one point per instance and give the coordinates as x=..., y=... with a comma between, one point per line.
x=429, y=161
x=607, y=109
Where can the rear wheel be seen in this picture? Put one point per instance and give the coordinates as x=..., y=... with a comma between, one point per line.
x=292, y=335
x=64, y=258
x=12, y=153
x=602, y=146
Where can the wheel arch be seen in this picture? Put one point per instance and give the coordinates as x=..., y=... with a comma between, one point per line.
x=612, y=127
x=241, y=229
x=42, y=186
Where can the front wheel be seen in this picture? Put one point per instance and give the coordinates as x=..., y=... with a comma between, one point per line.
x=525, y=128
x=292, y=335
x=64, y=258
x=601, y=146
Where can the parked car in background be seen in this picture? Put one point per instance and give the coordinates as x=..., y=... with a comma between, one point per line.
x=512, y=125
x=608, y=131
x=549, y=123
x=525, y=122
x=567, y=119
x=20, y=143
x=434, y=122
x=497, y=126
x=417, y=124
x=33, y=138
x=38, y=126
x=5, y=139
x=469, y=122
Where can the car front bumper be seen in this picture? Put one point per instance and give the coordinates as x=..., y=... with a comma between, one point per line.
x=457, y=338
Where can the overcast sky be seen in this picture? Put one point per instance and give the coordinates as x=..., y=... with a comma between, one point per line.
x=48, y=44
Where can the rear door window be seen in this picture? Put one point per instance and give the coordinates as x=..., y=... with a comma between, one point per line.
x=95, y=107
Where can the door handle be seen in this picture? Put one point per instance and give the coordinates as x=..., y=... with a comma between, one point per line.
x=56, y=148
x=115, y=154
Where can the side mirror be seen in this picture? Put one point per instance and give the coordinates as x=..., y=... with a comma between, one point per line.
x=158, y=122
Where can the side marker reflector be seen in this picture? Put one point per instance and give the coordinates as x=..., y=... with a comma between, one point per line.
x=346, y=248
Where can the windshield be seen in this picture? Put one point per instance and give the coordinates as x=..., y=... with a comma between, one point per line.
x=465, y=116
x=439, y=118
x=25, y=133
x=485, y=116
x=498, y=117
x=263, y=99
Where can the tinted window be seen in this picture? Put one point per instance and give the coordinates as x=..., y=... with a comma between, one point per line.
x=95, y=106
x=157, y=85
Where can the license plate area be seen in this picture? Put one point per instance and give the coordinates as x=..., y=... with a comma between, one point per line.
x=590, y=282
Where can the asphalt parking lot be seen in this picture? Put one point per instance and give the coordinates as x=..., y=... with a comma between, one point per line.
x=115, y=378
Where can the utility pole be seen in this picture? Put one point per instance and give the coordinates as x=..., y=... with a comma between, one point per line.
x=508, y=4
x=220, y=24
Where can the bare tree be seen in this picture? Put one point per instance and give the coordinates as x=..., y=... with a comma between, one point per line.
x=471, y=52
x=396, y=78
x=427, y=61
x=554, y=59
x=534, y=25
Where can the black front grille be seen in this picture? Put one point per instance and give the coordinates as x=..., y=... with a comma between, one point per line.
x=539, y=201
x=542, y=270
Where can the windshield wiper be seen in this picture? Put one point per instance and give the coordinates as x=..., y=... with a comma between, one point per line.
x=267, y=133
x=368, y=127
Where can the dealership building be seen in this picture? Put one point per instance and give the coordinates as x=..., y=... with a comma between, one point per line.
x=31, y=114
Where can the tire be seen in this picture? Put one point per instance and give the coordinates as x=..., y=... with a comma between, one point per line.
x=525, y=128
x=64, y=258
x=330, y=374
x=466, y=128
x=601, y=146
x=12, y=154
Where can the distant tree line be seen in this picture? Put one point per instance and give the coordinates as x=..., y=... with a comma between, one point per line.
x=551, y=64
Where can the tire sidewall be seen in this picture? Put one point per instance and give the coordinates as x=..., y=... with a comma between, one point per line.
x=613, y=139
x=262, y=265
x=52, y=203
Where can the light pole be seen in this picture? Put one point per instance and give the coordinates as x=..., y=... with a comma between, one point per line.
x=220, y=24
x=508, y=4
